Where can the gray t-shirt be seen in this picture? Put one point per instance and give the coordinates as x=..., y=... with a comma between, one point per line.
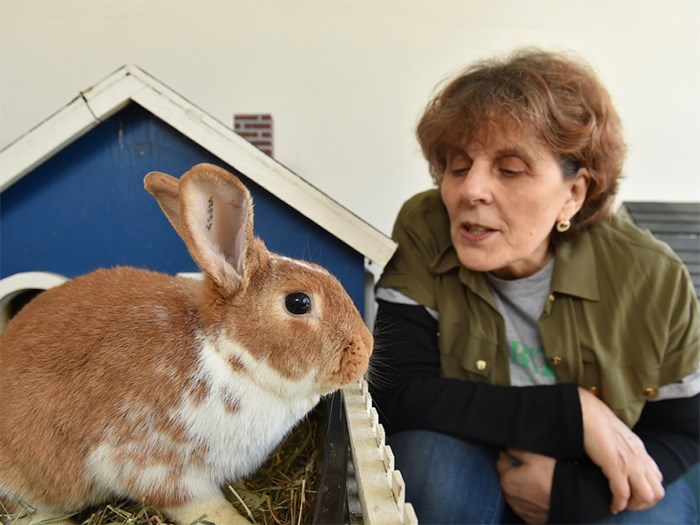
x=521, y=302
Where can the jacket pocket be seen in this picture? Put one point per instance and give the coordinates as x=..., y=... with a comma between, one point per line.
x=626, y=389
x=465, y=355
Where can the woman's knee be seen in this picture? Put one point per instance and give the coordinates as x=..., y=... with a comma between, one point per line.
x=448, y=480
x=434, y=448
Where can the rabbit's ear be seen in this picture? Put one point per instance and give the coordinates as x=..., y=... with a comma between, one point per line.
x=216, y=217
x=213, y=213
x=165, y=189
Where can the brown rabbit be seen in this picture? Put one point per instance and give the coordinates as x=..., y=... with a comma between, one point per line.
x=131, y=383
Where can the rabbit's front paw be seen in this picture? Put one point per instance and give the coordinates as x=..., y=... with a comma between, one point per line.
x=215, y=510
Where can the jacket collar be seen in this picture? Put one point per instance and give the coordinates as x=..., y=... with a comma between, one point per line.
x=575, y=271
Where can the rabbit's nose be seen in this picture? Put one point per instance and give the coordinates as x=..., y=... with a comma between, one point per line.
x=354, y=361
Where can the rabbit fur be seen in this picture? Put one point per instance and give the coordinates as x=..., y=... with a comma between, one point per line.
x=130, y=383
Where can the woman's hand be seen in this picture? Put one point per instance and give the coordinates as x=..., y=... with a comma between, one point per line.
x=633, y=476
x=526, y=481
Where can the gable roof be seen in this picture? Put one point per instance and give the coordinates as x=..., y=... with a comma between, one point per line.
x=131, y=84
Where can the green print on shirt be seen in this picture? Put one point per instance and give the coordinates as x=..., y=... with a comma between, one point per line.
x=530, y=359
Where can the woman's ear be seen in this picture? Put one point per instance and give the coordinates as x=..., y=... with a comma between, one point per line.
x=577, y=196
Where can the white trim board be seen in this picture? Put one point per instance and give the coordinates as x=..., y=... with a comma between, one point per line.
x=130, y=83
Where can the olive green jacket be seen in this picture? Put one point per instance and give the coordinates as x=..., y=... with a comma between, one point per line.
x=621, y=318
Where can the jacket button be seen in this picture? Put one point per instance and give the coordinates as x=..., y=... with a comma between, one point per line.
x=481, y=365
x=593, y=390
x=555, y=360
x=649, y=391
x=551, y=297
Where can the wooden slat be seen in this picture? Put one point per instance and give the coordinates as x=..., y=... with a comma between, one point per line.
x=693, y=267
x=673, y=207
x=654, y=216
x=672, y=227
x=381, y=488
x=680, y=243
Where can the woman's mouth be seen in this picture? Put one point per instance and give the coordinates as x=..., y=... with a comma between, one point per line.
x=475, y=232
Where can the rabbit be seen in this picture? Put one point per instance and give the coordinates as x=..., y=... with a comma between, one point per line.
x=128, y=383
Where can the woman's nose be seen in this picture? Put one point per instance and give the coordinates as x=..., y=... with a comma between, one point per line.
x=476, y=185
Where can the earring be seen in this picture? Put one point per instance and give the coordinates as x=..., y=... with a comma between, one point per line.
x=563, y=226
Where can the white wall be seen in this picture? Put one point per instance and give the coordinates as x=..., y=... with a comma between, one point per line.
x=346, y=80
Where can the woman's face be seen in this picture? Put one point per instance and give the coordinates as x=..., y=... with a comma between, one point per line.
x=503, y=198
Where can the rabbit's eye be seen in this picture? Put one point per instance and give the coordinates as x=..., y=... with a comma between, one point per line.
x=298, y=303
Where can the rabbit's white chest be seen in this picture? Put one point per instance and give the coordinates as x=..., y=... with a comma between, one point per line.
x=222, y=429
x=241, y=425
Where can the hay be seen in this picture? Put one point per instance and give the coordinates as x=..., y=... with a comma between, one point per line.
x=282, y=491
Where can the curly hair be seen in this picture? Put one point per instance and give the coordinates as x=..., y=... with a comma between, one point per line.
x=554, y=98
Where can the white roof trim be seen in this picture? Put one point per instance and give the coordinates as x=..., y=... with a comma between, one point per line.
x=129, y=83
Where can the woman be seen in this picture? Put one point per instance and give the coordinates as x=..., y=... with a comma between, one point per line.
x=518, y=308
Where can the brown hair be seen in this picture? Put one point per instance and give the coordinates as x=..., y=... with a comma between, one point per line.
x=557, y=99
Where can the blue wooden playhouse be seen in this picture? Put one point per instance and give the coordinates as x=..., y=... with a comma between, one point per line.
x=72, y=200
x=72, y=197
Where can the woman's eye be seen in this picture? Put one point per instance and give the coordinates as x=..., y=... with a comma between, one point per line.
x=297, y=303
x=459, y=169
x=512, y=166
x=510, y=173
x=458, y=165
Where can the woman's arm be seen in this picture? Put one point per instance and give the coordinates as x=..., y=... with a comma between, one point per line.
x=410, y=393
x=670, y=431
